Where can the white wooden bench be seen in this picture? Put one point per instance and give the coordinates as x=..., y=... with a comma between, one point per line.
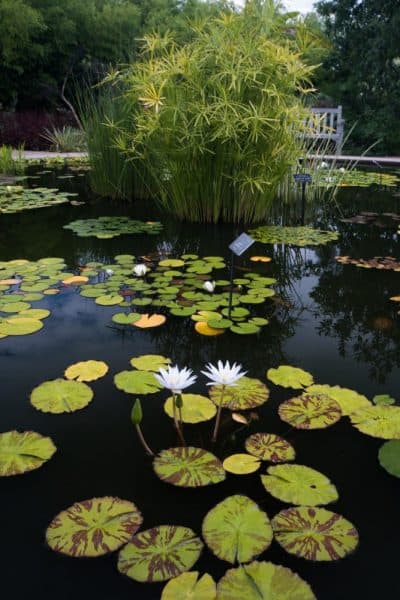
x=327, y=124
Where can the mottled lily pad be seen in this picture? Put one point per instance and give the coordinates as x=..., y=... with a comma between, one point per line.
x=310, y=411
x=88, y=370
x=263, y=581
x=247, y=393
x=150, y=362
x=298, y=484
x=110, y=227
x=160, y=553
x=378, y=421
x=389, y=457
x=23, y=452
x=189, y=587
x=314, y=533
x=188, y=467
x=94, y=527
x=137, y=382
x=297, y=236
x=269, y=446
x=290, y=377
x=60, y=396
x=348, y=400
x=241, y=464
x=237, y=530
x=195, y=408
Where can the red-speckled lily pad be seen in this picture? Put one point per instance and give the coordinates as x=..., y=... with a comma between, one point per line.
x=188, y=467
x=269, y=446
x=310, y=411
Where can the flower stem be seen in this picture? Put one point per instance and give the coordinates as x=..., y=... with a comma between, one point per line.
x=178, y=419
x=218, y=418
x=147, y=448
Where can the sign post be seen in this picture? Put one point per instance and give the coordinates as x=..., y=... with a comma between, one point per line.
x=237, y=247
x=303, y=178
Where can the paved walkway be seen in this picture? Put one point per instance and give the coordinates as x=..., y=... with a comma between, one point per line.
x=39, y=155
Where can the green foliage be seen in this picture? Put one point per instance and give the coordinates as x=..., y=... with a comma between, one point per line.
x=67, y=139
x=362, y=71
x=225, y=108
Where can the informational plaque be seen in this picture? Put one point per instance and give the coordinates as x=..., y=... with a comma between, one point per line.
x=241, y=244
x=302, y=178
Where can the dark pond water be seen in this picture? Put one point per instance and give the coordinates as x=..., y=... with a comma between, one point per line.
x=335, y=321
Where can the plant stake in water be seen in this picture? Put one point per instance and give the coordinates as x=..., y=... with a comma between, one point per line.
x=136, y=417
x=303, y=178
x=225, y=376
x=238, y=246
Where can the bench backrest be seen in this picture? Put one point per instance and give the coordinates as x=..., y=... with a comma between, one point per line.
x=327, y=124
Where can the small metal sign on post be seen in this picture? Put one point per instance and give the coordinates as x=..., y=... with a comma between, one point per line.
x=237, y=247
x=303, y=178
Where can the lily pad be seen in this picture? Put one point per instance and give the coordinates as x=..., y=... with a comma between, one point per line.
x=314, y=533
x=204, y=329
x=148, y=321
x=94, y=527
x=188, y=467
x=189, y=586
x=378, y=421
x=290, y=377
x=110, y=227
x=195, y=408
x=237, y=530
x=60, y=396
x=137, y=382
x=75, y=280
x=109, y=299
x=241, y=464
x=19, y=326
x=126, y=318
x=150, y=362
x=23, y=452
x=298, y=484
x=160, y=553
x=310, y=411
x=269, y=446
x=297, y=236
x=389, y=457
x=348, y=400
x=89, y=370
x=247, y=393
x=263, y=581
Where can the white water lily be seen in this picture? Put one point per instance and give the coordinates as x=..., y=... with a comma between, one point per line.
x=174, y=379
x=109, y=272
x=209, y=286
x=223, y=374
x=140, y=270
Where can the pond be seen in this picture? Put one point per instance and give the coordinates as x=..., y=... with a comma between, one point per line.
x=333, y=320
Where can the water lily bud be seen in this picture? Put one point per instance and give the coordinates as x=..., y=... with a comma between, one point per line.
x=109, y=272
x=140, y=270
x=179, y=401
x=209, y=286
x=136, y=413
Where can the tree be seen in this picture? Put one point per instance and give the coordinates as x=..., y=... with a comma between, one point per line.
x=363, y=70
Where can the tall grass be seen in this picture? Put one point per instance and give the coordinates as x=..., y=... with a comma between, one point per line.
x=10, y=165
x=215, y=123
x=65, y=139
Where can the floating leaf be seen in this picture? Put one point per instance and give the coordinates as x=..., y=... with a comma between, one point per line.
x=110, y=227
x=314, y=533
x=378, y=421
x=59, y=396
x=236, y=530
x=126, y=318
x=241, y=464
x=89, y=370
x=188, y=467
x=109, y=300
x=137, y=382
x=348, y=400
x=94, y=527
x=195, y=408
x=290, y=377
x=297, y=236
x=19, y=326
x=188, y=586
x=150, y=362
x=383, y=400
x=310, y=411
x=298, y=484
x=147, y=321
x=263, y=581
x=389, y=457
x=269, y=446
x=14, y=307
x=34, y=313
x=245, y=328
x=386, y=263
x=204, y=329
x=264, y=259
x=23, y=452
x=172, y=262
x=75, y=280
x=247, y=393
x=160, y=553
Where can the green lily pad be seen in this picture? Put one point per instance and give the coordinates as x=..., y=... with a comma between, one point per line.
x=269, y=446
x=298, y=484
x=150, y=362
x=188, y=586
x=348, y=400
x=126, y=318
x=219, y=323
x=378, y=421
x=310, y=411
x=195, y=408
x=241, y=464
x=94, y=527
x=383, y=400
x=188, y=467
x=137, y=382
x=160, y=553
x=88, y=370
x=247, y=393
x=263, y=581
x=389, y=457
x=109, y=300
x=237, y=530
x=171, y=263
x=110, y=227
x=297, y=236
x=245, y=328
x=19, y=326
x=290, y=377
x=23, y=452
x=60, y=396
x=14, y=307
x=314, y=533
x=34, y=313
